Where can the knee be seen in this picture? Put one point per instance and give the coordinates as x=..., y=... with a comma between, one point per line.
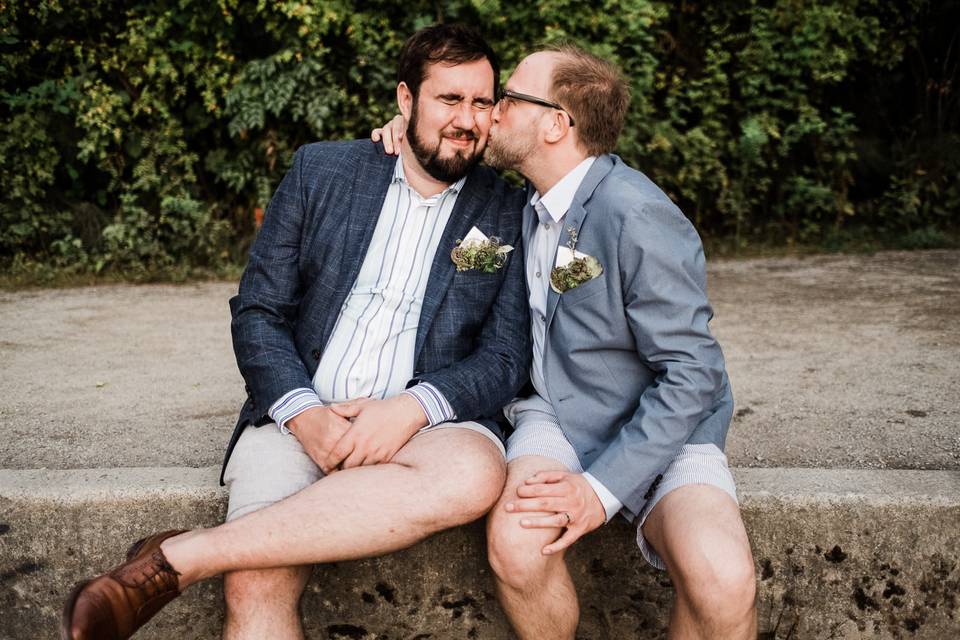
x=724, y=593
x=737, y=582
x=487, y=481
x=515, y=553
x=471, y=488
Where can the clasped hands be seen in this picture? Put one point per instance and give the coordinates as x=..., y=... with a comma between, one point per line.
x=367, y=431
x=561, y=500
x=359, y=432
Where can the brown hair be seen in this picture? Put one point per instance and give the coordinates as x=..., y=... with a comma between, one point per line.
x=595, y=93
x=446, y=44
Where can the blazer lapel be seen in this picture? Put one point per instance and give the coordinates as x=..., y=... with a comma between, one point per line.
x=470, y=205
x=574, y=218
x=370, y=187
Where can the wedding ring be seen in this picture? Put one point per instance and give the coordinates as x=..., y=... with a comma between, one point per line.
x=569, y=519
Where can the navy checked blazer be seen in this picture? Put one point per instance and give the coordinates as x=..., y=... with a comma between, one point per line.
x=473, y=339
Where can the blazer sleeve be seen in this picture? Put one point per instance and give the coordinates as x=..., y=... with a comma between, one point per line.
x=264, y=310
x=664, y=289
x=482, y=383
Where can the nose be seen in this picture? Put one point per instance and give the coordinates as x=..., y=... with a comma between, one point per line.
x=495, y=113
x=465, y=116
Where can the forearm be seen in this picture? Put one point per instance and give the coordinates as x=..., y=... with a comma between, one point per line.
x=267, y=358
x=482, y=384
x=266, y=306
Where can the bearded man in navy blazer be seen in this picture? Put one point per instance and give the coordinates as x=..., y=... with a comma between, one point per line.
x=372, y=361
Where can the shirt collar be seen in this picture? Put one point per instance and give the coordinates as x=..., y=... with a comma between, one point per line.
x=400, y=176
x=558, y=199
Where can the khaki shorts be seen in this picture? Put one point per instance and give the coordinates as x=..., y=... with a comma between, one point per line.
x=267, y=466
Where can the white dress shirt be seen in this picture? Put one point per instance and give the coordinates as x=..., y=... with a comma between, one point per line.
x=370, y=353
x=551, y=209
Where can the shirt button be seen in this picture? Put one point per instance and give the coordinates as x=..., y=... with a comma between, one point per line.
x=546, y=226
x=538, y=274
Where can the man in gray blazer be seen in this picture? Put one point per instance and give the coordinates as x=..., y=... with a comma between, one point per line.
x=380, y=323
x=631, y=400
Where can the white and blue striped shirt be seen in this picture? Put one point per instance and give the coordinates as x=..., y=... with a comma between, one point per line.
x=371, y=350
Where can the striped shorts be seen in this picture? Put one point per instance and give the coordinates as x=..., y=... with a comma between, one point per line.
x=537, y=433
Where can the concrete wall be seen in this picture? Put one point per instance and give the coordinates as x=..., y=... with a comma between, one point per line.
x=840, y=554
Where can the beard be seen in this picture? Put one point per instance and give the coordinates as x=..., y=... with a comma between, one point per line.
x=508, y=152
x=449, y=169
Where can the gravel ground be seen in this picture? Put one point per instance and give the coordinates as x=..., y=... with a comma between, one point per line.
x=836, y=361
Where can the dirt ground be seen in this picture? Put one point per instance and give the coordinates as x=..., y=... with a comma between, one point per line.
x=836, y=361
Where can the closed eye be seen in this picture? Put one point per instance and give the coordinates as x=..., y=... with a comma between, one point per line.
x=453, y=99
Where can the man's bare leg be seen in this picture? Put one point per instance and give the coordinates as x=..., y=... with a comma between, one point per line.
x=438, y=480
x=264, y=603
x=698, y=533
x=266, y=466
x=535, y=590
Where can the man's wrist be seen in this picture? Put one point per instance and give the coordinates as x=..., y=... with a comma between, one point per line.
x=292, y=404
x=299, y=421
x=415, y=417
x=610, y=503
x=432, y=403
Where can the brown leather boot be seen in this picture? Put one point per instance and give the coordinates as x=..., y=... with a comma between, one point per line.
x=148, y=544
x=114, y=605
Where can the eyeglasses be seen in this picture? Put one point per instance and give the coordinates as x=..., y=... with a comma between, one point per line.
x=513, y=95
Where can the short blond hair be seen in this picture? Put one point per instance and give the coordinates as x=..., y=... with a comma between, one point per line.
x=594, y=92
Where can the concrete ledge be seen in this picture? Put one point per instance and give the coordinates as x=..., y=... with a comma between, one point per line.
x=840, y=554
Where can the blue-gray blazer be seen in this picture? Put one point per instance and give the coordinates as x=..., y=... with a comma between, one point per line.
x=631, y=368
x=473, y=339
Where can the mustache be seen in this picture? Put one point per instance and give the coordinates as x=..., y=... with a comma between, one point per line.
x=464, y=134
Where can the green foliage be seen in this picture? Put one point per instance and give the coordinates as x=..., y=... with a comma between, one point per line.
x=139, y=137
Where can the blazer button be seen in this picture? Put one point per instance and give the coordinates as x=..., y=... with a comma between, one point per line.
x=316, y=354
x=653, y=486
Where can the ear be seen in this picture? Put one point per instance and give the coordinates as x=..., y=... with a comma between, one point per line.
x=559, y=127
x=405, y=100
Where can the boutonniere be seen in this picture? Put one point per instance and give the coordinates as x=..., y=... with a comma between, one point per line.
x=572, y=267
x=479, y=252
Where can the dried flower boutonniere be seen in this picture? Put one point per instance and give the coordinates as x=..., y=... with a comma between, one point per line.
x=573, y=268
x=479, y=252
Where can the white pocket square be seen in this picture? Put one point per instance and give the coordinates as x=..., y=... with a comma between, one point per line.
x=565, y=256
x=478, y=237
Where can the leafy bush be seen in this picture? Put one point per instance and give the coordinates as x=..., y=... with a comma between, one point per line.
x=140, y=137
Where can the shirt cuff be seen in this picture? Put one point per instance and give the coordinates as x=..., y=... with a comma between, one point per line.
x=434, y=405
x=292, y=404
x=611, y=505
